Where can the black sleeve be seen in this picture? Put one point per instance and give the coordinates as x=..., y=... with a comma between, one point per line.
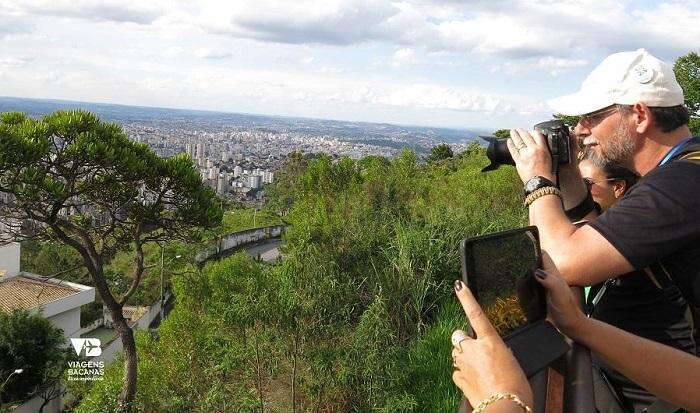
x=658, y=216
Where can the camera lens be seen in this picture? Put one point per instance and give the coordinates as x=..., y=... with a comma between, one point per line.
x=497, y=152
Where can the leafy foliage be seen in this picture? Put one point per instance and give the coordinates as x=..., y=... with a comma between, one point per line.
x=82, y=182
x=29, y=342
x=356, y=317
x=687, y=71
x=440, y=152
x=570, y=121
x=502, y=133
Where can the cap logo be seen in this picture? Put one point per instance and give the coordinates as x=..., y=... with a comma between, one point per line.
x=642, y=73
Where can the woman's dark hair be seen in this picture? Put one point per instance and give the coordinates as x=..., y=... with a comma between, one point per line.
x=620, y=173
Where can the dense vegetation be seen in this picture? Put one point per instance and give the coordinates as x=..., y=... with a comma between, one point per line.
x=30, y=343
x=356, y=317
x=83, y=183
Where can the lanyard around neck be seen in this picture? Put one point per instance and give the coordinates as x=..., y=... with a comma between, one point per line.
x=676, y=149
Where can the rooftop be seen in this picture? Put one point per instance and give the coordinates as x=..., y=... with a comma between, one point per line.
x=27, y=292
x=134, y=313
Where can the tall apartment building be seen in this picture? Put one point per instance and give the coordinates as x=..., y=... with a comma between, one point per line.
x=254, y=181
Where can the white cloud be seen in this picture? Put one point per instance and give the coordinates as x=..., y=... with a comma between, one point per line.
x=336, y=22
x=556, y=66
x=96, y=10
x=12, y=21
x=12, y=62
x=515, y=29
x=332, y=58
x=404, y=57
x=672, y=26
x=206, y=53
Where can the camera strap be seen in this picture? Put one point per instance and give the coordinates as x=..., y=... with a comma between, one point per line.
x=599, y=295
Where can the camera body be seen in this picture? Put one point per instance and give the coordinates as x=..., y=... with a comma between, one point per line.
x=558, y=140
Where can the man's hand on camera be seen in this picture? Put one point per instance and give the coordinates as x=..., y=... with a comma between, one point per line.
x=531, y=155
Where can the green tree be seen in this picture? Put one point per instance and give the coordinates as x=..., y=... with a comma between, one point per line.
x=357, y=315
x=502, y=133
x=570, y=121
x=687, y=70
x=29, y=342
x=53, y=259
x=440, y=152
x=281, y=192
x=84, y=183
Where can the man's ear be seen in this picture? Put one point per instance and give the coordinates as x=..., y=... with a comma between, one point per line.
x=643, y=118
x=619, y=188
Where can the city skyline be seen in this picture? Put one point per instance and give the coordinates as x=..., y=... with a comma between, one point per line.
x=416, y=62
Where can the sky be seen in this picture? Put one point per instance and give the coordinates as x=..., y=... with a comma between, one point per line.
x=461, y=64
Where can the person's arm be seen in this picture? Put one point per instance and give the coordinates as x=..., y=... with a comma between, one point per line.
x=583, y=256
x=662, y=370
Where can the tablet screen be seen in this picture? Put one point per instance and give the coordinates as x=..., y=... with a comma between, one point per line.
x=499, y=269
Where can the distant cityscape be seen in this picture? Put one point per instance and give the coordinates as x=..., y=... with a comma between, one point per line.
x=238, y=153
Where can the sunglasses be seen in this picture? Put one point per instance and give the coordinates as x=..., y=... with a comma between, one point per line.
x=589, y=182
x=598, y=116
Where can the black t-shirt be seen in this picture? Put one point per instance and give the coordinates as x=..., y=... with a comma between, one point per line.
x=655, y=224
x=658, y=221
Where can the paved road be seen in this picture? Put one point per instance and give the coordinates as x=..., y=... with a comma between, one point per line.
x=268, y=251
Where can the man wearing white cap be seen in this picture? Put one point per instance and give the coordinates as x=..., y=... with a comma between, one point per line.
x=632, y=113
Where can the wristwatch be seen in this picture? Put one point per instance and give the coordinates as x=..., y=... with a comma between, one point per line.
x=535, y=183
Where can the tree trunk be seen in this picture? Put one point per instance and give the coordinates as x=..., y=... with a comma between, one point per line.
x=126, y=334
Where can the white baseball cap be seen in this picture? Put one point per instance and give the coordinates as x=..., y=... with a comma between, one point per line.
x=623, y=78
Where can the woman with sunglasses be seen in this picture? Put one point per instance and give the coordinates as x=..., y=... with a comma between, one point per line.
x=607, y=183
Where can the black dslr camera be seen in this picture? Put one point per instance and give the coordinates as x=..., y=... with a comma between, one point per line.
x=558, y=141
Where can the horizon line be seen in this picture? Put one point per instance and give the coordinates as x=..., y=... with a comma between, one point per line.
x=469, y=129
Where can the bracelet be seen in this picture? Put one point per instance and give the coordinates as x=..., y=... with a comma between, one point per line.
x=499, y=396
x=547, y=190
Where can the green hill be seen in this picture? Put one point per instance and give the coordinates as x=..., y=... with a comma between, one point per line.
x=357, y=316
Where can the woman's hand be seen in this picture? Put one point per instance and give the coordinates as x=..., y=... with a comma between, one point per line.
x=485, y=365
x=563, y=308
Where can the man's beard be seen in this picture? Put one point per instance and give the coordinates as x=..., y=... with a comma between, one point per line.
x=619, y=149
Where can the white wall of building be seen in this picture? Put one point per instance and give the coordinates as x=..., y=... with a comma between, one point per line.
x=9, y=259
x=68, y=321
